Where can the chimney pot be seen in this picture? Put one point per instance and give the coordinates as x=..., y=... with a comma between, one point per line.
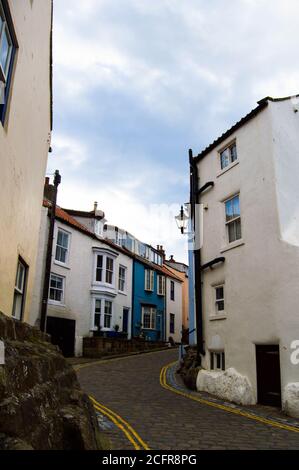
x=95, y=206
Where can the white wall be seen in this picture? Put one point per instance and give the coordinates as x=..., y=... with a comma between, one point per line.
x=79, y=288
x=175, y=307
x=261, y=273
x=24, y=145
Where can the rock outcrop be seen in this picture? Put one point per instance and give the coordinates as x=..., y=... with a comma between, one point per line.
x=41, y=404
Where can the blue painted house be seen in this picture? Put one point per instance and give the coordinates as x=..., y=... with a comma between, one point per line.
x=148, y=319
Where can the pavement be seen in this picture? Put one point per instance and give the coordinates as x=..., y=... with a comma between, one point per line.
x=140, y=407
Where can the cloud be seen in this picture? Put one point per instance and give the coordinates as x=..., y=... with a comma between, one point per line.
x=138, y=83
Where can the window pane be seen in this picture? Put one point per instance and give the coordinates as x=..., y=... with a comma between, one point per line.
x=219, y=293
x=231, y=232
x=233, y=153
x=223, y=361
x=20, y=277
x=98, y=306
x=212, y=361
x=224, y=157
x=153, y=318
x=4, y=52
x=238, y=229
x=236, y=206
x=220, y=305
x=218, y=359
x=229, y=210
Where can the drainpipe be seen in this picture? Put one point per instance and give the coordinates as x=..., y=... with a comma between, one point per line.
x=44, y=305
x=133, y=300
x=194, y=199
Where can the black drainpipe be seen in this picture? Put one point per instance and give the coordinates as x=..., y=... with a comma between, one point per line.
x=194, y=199
x=44, y=306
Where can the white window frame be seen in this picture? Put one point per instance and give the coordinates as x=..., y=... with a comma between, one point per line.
x=104, y=256
x=230, y=155
x=20, y=288
x=217, y=301
x=122, y=279
x=233, y=220
x=56, y=261
x=172, y=315
x=217, y=357
x=57, y=302
x=149, y=280
x=103, y=301
x=152, y=311
x=161, y=281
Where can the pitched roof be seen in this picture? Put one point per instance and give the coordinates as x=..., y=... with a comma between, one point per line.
x=262, y=104
x=66, y=218
x=63, y=216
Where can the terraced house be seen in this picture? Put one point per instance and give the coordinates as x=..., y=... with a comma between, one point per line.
x=246, y=181
x=90, y=291
x=25, y=133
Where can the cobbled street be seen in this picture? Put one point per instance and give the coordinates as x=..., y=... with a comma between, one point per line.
x=166, y=421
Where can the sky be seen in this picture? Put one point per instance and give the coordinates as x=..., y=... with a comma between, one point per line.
x=139, y=82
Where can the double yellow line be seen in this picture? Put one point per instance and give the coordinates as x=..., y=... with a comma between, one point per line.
x=132, y=436
x=269, y=422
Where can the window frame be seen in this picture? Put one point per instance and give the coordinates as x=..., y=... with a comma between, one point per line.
x=122, y=279
x=233, y=220
x=20, y=292
x=152, y=312
x=172, y=323
x=214, y=356
x=7, y=74
x=103, y=315
x=231, y=161
x=161, y=288
x=53, y=301
x=217, y=301
x=103, y=282
x=65, y=232
x=149, y=280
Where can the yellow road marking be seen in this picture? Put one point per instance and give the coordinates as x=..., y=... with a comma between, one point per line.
x=235, y=411
x=123, y=425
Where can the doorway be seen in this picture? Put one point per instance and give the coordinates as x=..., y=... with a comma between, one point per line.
x=125, y=320
x=268, y=375
x=62, y=333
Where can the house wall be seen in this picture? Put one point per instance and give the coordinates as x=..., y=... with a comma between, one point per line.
x=174, y=307
x=260, y=273
x=185, y=295
x=24, y=145
x=79, y=286
x=142, y=297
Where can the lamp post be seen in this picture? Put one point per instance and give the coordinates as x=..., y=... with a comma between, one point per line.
x=195, y=256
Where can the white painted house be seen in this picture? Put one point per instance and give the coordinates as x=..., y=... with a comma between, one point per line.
x=90, y=283
x=174, y=306
x=250, y=296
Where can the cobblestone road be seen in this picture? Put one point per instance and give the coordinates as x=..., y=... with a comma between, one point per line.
x=166, y=421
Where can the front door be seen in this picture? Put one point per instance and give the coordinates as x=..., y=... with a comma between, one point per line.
x=268, y=375
x=125, y=320
x=62, y=333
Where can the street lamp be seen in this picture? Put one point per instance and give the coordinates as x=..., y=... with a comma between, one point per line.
x=182, y=220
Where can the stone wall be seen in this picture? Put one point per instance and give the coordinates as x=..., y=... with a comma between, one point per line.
x=41, y=404
x=101, y=347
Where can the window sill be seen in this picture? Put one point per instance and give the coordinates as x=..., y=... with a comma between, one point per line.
x=122, y=293
x=229, y=167
x=217, y=317
x=232, y=245
x=56, y=304
x=62, y=265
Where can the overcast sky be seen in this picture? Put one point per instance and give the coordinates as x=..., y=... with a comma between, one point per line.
x=139, y=82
